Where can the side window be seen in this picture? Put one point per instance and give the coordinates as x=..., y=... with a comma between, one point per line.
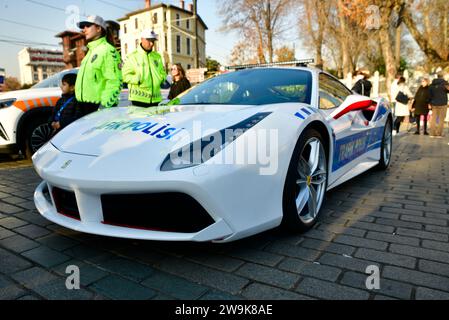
x=332, y=92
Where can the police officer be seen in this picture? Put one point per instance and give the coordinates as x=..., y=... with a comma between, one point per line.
x=99, y=80
x=144, y=72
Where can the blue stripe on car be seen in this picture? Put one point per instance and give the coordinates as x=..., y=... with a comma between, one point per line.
x=350, y=148
x=299, y=115
x=306, y=111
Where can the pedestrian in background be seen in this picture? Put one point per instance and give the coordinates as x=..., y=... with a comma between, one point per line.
x=394, y=91
x=180, y=81
x=420, y=105
x=64, y=113
x=99, y=80
x=438, y=100
x=363, y=85
x=403, y=99
x=144, y=72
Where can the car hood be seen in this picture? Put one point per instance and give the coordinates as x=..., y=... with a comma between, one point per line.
x=150, y=134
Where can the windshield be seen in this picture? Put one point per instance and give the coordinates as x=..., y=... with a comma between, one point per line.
x=54, y=81
x=252, y=87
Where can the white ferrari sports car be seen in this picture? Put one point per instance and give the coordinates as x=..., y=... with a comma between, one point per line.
x=239, y=154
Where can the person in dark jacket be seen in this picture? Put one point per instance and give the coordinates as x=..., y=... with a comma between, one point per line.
x=421, y=105
x=65, y=112
x=180, y=82
x=363, y=85
x=438, y=91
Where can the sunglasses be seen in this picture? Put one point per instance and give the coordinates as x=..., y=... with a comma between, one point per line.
x=86, y=25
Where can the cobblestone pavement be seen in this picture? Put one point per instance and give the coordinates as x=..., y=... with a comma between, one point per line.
x=397, y=220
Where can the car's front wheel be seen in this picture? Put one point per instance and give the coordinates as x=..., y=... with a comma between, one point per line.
x=306, y=182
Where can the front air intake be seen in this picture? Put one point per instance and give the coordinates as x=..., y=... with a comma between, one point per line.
x=65, y=202
x=169, y=212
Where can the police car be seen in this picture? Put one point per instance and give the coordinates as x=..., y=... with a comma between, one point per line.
x=238, y=154
x=24, y=115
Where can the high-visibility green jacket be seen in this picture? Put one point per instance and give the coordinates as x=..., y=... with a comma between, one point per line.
x=144, y=73
x=99, y=79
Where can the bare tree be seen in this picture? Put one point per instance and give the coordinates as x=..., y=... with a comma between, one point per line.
x=313, y=17
x=11, y=84
x=243, y=53
x=284, y=54
x=429, y=28
x=263, y=18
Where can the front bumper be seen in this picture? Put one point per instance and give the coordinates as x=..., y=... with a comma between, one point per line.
x=93, y=222
x=240, y=201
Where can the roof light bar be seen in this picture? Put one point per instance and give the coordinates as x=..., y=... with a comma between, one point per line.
x=297, y=63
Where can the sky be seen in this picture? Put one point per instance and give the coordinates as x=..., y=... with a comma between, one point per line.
x=36, y=22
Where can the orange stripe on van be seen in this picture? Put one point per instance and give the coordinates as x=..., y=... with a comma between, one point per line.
x=21, y=105
x=31, y=103
x=47, y=102
x=54, y=100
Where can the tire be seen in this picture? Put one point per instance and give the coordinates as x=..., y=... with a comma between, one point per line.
x=38, y=133
x=386, y=146
x=306, y=183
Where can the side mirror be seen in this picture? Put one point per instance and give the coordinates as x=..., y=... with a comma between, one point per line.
x=353, y=103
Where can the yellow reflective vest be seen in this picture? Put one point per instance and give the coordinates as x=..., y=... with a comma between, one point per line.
x=144, y=73
x=99, y=79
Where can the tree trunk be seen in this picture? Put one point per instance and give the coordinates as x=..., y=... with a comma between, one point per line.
x=260, y=54
x=387, y=52
x=397, y=49
x=269, y=31
x=346, y=55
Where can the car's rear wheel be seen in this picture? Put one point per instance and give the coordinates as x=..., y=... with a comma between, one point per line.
x=386, y=147
x=39, y=133
x=306, y=182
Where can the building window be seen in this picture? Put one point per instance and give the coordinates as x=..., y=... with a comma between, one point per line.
x=188, y=24
x=178, y=44
x=178, y=17
x=166, y=43
x=126, y=48
x=188, y=47
x=136, y=22
x=36, y=77
x=125, y=30
x=137, y=43
x=189, y=66
x=155, y=18
x=44, y=69
x=45, y=76
x=34, y=68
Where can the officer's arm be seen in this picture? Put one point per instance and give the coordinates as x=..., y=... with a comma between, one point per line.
x=130, y=73
x=161, y=71
x=113, y=78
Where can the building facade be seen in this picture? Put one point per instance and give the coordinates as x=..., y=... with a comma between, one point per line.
x=175, y=26
x=39, y=64
x=73, y=48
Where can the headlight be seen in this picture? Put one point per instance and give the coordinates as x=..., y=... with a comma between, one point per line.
x=207, y=147
x=4, y=103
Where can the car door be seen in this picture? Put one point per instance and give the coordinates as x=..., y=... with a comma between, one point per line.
x=347, y=129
